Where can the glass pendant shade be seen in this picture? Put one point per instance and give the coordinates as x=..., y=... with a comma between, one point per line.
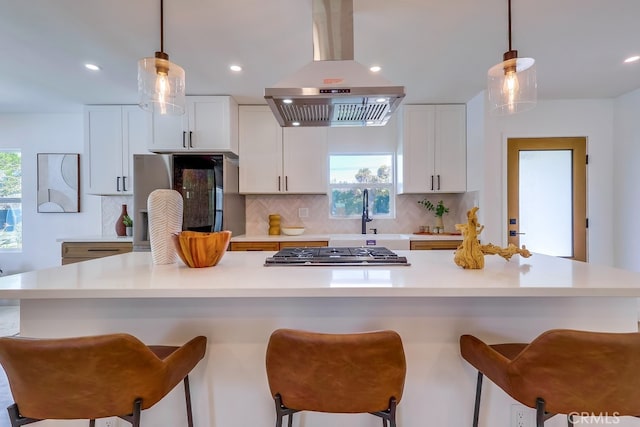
x=512, y=86
x=161, y=85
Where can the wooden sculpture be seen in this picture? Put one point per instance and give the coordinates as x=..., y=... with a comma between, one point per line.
x=470, y=254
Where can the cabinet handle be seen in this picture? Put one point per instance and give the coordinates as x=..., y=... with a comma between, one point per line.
x=438, y=182
x=124, y=183
x=184, y=142
x=279, y=186
x=190, y=139
x=286, y=183
x=118, y=184
x=432, y=182
x=103, y=250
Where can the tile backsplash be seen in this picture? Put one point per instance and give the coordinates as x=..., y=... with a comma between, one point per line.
x=111, y=209
x=409, y=214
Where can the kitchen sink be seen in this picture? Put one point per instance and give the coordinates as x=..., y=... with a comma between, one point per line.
x=398, y=242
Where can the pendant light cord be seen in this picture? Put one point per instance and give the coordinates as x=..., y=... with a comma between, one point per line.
x=162, y=26
x=509, y=25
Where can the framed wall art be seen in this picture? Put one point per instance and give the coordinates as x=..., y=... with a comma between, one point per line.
x=58, y=182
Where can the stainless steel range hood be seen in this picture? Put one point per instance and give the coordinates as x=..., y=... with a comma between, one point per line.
x=333, y=90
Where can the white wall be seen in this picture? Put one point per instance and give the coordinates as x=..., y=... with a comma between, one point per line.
x=590, y=118
x=626, y=175
x=45, y=133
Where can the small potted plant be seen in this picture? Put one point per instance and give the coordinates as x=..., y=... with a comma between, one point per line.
x=128, y=224
x=439, y=210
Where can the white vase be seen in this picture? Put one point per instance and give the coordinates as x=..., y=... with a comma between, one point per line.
x=165, y=218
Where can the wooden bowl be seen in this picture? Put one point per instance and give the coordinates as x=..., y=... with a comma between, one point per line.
x=197, y=249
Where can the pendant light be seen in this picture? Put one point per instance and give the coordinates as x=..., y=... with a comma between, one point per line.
x=161, y=84
x=512, y=83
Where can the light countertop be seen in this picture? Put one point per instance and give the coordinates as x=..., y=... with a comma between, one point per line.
x=100, y=239
x=243, y=275
x=355, y=237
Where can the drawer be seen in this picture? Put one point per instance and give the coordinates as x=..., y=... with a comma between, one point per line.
x=81, y=251
x=429, y=245
x=255, y=246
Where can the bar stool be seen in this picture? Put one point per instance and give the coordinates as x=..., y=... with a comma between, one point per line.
x=93, y=377
x=336, y=373
x=562, y=371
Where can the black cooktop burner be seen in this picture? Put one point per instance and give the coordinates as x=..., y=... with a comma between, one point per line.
x=374, y=255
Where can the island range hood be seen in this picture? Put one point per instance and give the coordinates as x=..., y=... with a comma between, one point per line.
x=333, y=90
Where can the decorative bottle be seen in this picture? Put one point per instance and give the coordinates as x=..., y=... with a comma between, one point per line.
x=121, y=230
x=274, y=224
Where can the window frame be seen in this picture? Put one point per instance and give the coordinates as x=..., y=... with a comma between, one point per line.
x=390, y=186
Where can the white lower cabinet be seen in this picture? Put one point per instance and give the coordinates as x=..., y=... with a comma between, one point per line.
x=432, y=149
x=113, y=134
x=280, y=160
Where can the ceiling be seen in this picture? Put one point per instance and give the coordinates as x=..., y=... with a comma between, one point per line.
x=440, y=50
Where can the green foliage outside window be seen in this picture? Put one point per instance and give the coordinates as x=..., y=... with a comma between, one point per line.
x=10, y=200
x=10, y=174
x=346, y=192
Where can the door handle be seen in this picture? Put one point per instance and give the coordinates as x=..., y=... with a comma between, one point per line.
x=286, y=183
x=124, y=183
x=432, y=182
x=190, y=139
x=279, y=182
x=184, y=142
x=118, y=184
x=438, y=182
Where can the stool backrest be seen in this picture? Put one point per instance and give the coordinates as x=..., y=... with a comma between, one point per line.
x=580, y=371
x=81, y=378
x=336, y=373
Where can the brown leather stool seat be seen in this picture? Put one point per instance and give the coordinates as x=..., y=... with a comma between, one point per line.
x=562, y=371
x=93, y=377
x=336, y=373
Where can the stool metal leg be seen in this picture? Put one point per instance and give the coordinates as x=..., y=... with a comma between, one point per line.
x=476, y=408
x=540, y=413
x=16, y=419
x=187, y=396
x=92, y=423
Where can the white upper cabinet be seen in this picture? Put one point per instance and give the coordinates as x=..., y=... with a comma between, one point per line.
x=113, y=134
x=432, y=149
x=210, y=124
x=280, y=160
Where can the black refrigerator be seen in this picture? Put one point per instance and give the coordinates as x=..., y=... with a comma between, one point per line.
x=208, y=184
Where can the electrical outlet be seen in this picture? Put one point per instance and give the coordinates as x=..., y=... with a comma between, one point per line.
x=522, y=416
x=303, y=212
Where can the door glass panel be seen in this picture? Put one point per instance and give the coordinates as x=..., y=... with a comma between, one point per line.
x=545, y=202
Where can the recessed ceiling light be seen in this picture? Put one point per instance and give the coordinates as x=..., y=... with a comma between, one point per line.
x=92, y=67
x=375, y=68
x=295, y=123
x=235, y=68
x=288, y=101
x=632, y=59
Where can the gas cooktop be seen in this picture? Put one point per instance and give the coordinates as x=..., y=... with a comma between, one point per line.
x=359, y=256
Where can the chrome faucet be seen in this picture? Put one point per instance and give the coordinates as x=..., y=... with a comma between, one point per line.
x=365, y=210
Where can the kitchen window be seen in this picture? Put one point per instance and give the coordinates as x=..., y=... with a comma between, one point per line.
x=10, y=200
x=351, y=174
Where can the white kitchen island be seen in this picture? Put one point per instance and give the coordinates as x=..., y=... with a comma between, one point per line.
x=238, y=303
